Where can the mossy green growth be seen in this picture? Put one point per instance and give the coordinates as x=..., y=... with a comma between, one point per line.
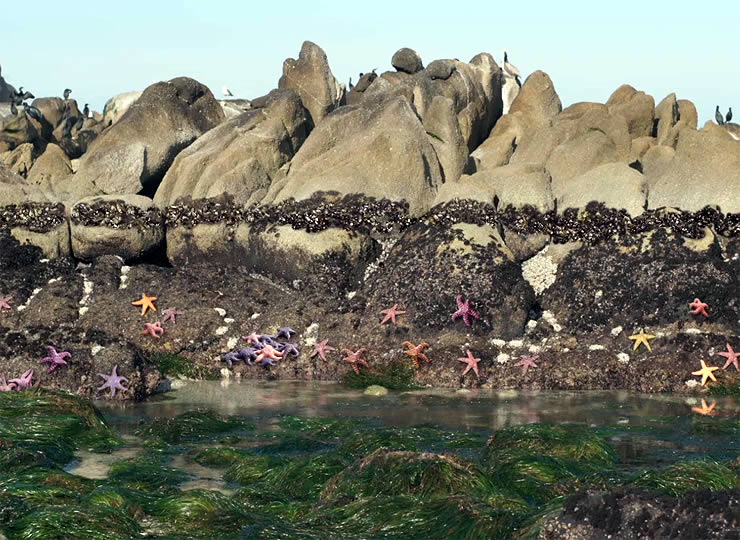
x=74, y=521
x=325, y=427
x=678, y=478
x=201, y=513
x=303, y=478
x=388, y=473
x=395, y=375
x=218, y=457
x=41, y=486
x=172, y=365
x=250, y=469
x=144, y=473
x=191, y=426
x=729, y=385
x=566, y=441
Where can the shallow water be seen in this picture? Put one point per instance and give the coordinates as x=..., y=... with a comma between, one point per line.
x=646, y=429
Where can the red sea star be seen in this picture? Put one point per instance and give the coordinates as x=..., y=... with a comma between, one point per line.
x=699, y=307
x=527, y=362
x=472, y=363
x=321, y=349
x=465, y=311
x=390, y=314
x=153, y=329
x=731, y=356
x=416, y=352
x=355, y=358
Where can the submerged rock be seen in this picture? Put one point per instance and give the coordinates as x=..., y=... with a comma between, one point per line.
x=375, y=390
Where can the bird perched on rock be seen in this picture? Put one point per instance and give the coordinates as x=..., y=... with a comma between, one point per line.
x=33, y=112
x=728, y=117
x=13, y=109
x=67, y=92
x=86, y=111
x=512, y=70
x=22, y=96
x=351, y=86
x=718, y=116
x=226, y=92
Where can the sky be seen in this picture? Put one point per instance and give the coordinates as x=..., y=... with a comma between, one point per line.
x=588, y=48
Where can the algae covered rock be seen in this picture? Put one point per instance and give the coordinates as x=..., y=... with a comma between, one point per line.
x=375, y=390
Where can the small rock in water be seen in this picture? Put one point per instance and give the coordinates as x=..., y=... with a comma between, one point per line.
x=375, y=390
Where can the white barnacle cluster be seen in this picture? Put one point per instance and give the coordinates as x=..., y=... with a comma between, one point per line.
x=33, y=294
x=596, y=347
x=311, y=335
x=539, y=272
x=503, y=358
x=550, y=319
x=122, y=284
x=623, y=357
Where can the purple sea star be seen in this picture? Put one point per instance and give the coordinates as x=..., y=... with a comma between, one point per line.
x=290, y=348
x=170, y=314
x=5, y=302
x=321, y=349
x=55, y=359
x=465, y=311
x=230, y=358
x=113, y=381
x=24, y=381
x=248, y=354
x=267, y=339
x=527, y=362
x=6, y=386
x=285, y=332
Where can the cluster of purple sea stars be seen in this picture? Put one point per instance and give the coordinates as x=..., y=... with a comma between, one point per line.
x=264, y=349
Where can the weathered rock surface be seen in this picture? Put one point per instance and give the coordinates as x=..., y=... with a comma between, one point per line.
x=615, y=184
x=705, y=171
x=20, y=159
x=51, y=169
x=537, y=99
x=134, y=154
x=311, y=77
x=17, y=130
x=637, y=108
x=241, y=156
x=407, y=61
x=117, y=106
x=352, y=151
x=129, y=226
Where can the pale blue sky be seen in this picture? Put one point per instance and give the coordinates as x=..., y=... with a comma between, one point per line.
x=588, y=48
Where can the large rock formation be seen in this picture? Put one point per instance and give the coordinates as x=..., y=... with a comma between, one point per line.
x=312, y=78
x=353, y=152
x=637, y=108
x=241, y=156
x=134, y=154
x=407, y=61
x=117, y=106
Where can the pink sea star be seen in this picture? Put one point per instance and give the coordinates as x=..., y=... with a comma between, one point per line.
x=24, y=381
x=170, y=313
x=465, y=311
x=527, y=362
x=113, y=381
x=321, y=349
x=5, y=302
x=253, y=338
x=6, y=386
x=390, y=314
x=55, y=359
x=698, y=307
x=472, y=363
x=355, y=358
x=731, y=356
x=153, y=329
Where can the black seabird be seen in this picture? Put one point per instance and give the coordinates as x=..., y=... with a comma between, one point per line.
x=23, y=96
x=351, y=86
x=718, y=116
x=67, y=92
x=33, y=112
x=86, y=111
x=67, y=129
x=13, y=109
x=728, y=118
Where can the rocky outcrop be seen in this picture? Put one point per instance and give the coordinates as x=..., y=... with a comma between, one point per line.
x=311, y=77
x=20, y=159
x=705, y=171
x=537, y=99
x=241, y=156
x=6, y=91
x=129, y=226
x=51, y=169
x=117, y=106
x=134, y=154
x=352, y=152
x=637, y=108
x=16, y=130
x=407, y=60
x=616, y=185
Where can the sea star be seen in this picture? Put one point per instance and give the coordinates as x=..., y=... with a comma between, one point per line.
x=153, y=329
x=706, y=411
x=390, y=314
x=699, y=307
x=146, y=302
x=465, y=311
x=355, y=358
x=253, y=338
x=705, y=372
x=248, y=354
x=321, y=349
x=5, y=302
x=6, y=386
x=527, y=362
x=731, y=356
x=642, y=337
x=55, y=359
x=170, y=313
x=269, y=353
x=230, y=358
x=416, y=352
x=285, y=332
x=290, y=348
x=267, y=339
x=472, y=363
x=24, y=381
x=113, y=381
